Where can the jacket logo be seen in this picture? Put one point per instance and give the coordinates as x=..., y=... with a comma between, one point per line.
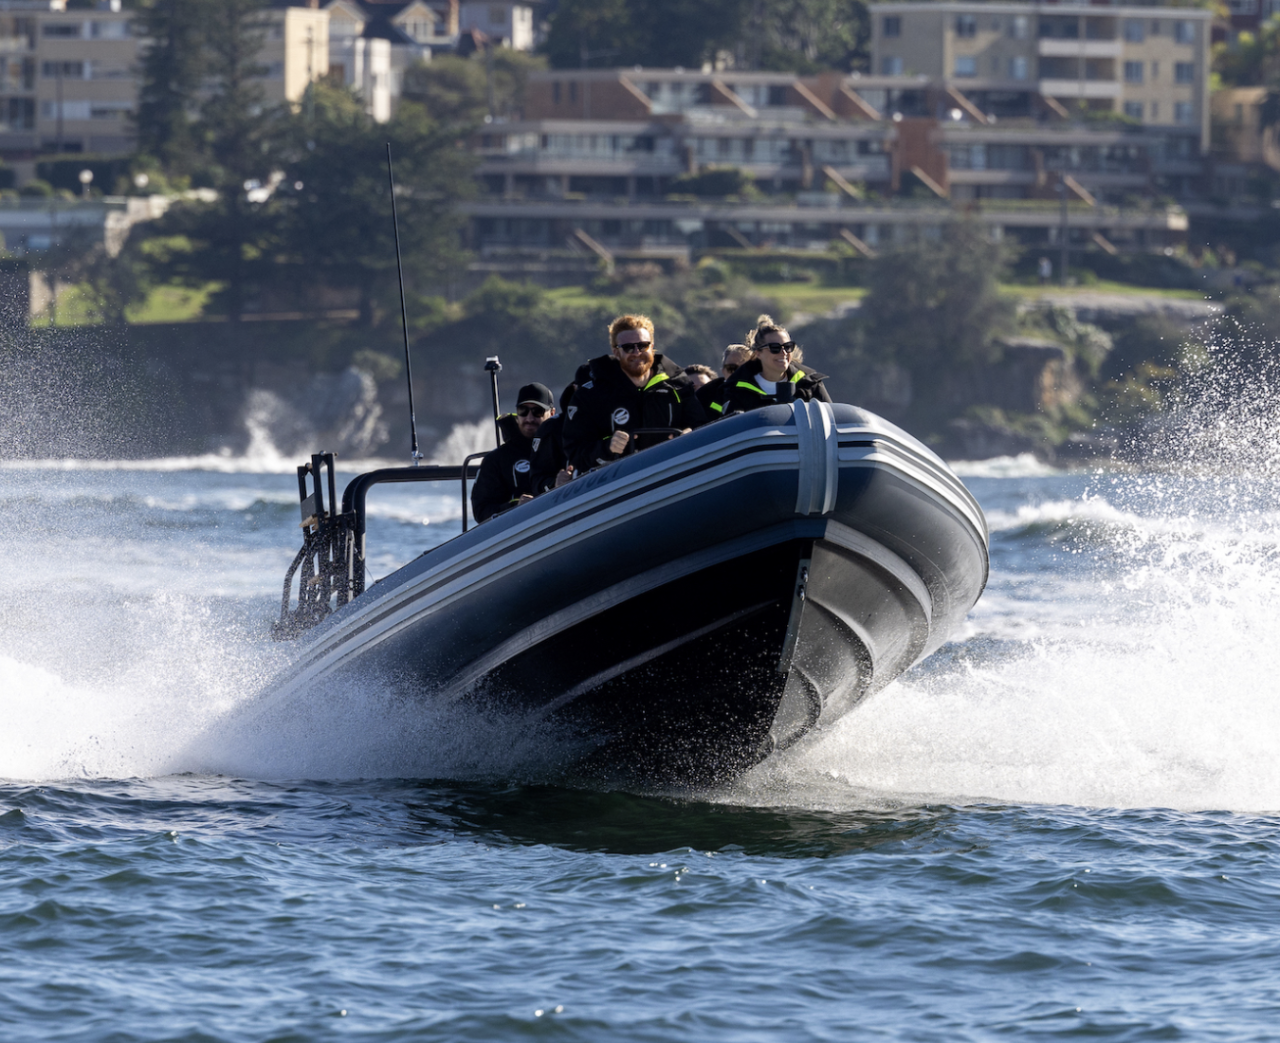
x=621, y=415
x=572, y=410
x=536, y=442
x=589, y=383
x=522, y=466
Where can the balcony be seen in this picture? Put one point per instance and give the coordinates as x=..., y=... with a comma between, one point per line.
x=1080, y=88
x=1080, y=48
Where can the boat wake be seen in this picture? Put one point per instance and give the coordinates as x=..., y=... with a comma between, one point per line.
x=1123, y=656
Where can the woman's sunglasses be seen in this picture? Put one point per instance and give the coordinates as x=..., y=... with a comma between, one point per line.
x=778, y=349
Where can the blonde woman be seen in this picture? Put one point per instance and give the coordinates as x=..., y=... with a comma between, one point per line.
x=771, y=375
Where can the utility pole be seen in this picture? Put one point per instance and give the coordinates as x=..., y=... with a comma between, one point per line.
x=58, y=66
x=1064, y=231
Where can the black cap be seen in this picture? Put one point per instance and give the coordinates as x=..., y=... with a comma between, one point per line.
x=536, y=395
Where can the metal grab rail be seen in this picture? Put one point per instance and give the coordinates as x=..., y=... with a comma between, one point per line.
x=332, y=559
x=322, y=559
x=353, y=506
x=465, y=464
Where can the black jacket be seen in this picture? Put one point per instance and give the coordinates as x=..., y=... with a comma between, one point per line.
x=548, y=453
x=708, y=393
x=740, y=393
x=609, y=402
x=505, y=474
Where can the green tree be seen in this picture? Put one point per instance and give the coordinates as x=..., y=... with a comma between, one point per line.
x=661, y=33
x=332, y=211
x=172, y=68
x=462, y=91
x=934, y=305
x=807, y=35
x=231, y=239
x=586, y=31
x=1252, y=59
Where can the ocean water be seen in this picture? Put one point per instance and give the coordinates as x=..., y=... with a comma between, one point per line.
x=1063, y=824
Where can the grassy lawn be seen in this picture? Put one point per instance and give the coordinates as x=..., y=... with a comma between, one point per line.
x=163, y=304
x=1102, y=286
x=810, y=297
x=73, y=310
x=797, y=296
x=172, y=304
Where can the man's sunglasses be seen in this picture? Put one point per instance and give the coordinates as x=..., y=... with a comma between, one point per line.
x=778, y=349
x=534, y=411
x=639, y=345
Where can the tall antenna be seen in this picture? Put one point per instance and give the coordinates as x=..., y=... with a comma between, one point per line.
x=404, y=313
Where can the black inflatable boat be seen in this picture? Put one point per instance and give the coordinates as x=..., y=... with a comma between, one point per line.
x=686, y=610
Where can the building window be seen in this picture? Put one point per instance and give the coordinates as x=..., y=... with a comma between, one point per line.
x=1133, y=72
x=890, y=66
x=1133, y=31
x=1155, y=112
x=966, y=65
x=1133, y=109
x=71, y=110
x=497, y=15
x=1017, y=68
x=1155, y=71
x=62, y=29
x=22, y=114
x=966, y=25
x=1155, y=27
x=892, y=25
x=1184, y=72
x=109, y=30
x=1018, y=27
x=274, y=70
x=1184, y=32
x=1183, y=113
x=555, y=92
x=66, y=70
x=573, y=90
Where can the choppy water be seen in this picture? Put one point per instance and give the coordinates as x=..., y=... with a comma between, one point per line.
x=1063, y=824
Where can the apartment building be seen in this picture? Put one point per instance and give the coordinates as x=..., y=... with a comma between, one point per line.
x=862, y=159
x=371, y=44
x=295, y=52
x=69, y=76
x=66, y=78
x=1149, y=64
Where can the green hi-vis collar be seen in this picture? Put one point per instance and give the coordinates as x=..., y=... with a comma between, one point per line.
x=656, y=380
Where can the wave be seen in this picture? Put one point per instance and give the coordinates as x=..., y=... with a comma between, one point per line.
x=1024, y=465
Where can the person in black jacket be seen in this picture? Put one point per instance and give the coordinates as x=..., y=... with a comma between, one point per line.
x=630, y=389
x=551, y=468
x=506, y=474
x=734, y=356
x=772, y=375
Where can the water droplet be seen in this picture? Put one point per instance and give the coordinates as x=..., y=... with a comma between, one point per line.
x=537, y=1013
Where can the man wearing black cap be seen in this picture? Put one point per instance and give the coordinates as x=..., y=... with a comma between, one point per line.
x=506, y=474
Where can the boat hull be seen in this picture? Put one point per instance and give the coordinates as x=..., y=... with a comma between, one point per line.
x=693, y=607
